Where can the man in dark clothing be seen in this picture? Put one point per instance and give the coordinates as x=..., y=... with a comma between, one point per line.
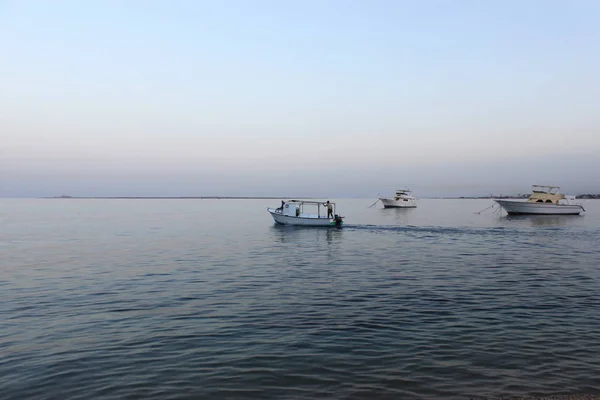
x=282, y=204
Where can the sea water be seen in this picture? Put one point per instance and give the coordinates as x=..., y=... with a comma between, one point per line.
x=190, y=299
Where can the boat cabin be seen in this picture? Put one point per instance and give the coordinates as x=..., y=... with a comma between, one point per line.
x=302, y=209
x=291, y=209
x=546, y=194
x=402, y=194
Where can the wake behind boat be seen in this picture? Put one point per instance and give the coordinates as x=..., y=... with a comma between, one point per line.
x=295, y=212
x=544, y=200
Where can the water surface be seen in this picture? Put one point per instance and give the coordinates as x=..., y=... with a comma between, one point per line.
x=182, y=299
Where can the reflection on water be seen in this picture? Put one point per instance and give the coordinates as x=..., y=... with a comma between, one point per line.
x=401, y=215
x=329, y=236
x=307, y=234
x=543, y=220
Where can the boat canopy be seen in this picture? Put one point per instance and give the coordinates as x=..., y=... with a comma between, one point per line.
x=310, y=202
x=297, y=208
x=545, y=189
x=403, y=191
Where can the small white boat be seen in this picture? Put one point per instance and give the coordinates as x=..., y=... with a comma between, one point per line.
x=295, y=212
x=544, y=200
x=402, y=199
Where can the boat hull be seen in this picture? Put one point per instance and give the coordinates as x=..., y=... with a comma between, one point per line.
x=300, y=221
x=391, y=203
x=527, y=208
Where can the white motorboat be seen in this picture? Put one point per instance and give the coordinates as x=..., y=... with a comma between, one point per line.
x=296, y=212
x=544, y=200
x=402, y=199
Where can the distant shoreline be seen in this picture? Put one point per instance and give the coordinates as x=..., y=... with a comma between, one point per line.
x=478, y=197
x=175, y=198
x=583, y=196
x=579, y=196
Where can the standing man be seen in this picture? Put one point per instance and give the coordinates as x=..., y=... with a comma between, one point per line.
x=329, y=209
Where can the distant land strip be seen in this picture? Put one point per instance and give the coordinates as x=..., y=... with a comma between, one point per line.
x=178, y=197
x=522, y=196
x=580, y=196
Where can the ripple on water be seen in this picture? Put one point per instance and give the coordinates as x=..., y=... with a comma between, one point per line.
x=370, y=311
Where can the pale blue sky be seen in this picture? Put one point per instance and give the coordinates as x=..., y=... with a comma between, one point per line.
x=332, y=98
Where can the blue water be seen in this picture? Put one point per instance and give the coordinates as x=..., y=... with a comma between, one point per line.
x=189, y=299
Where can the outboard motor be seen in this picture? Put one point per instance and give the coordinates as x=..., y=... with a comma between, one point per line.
x=338, y=221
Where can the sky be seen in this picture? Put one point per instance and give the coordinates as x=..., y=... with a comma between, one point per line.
x=335, y=98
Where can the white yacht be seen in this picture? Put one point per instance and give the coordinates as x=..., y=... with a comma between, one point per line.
x=544, y=200
x=402, y=199
x=297, y=212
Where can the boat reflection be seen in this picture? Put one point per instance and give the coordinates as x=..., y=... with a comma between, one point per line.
x=298, y=234
x=543, y=220
x=401, y=215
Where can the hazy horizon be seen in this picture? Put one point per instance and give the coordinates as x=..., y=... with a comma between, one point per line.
x=463, y=180
x=328, y=99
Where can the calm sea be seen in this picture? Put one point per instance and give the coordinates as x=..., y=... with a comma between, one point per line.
x=207, y=299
